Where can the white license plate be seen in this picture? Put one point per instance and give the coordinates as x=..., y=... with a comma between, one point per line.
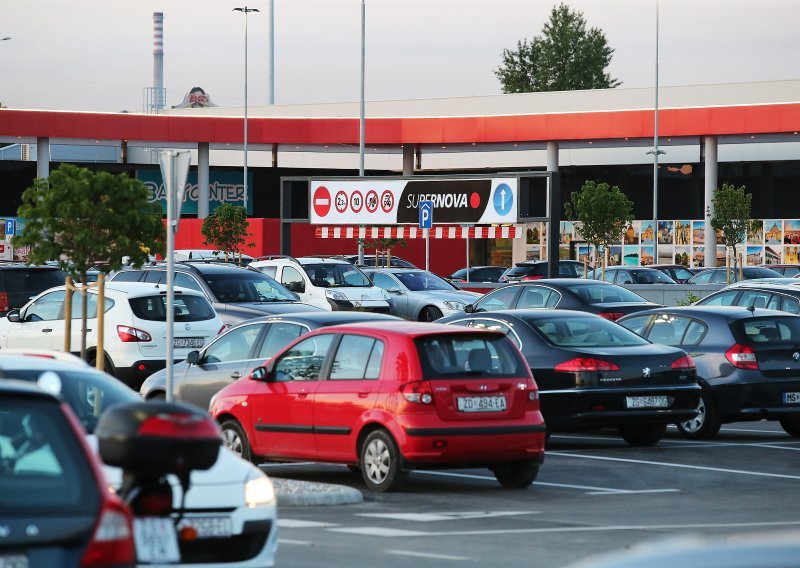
x=481, y=403
x=13, y=561
x=647, y=401
x=184, y=342
x=791, y=398
x=208, y=527
x=156, y=540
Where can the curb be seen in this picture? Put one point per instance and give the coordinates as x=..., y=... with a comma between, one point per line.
x=294, y=493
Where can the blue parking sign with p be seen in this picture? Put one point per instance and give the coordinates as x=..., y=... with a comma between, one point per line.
x=10, y=226
x=425, y=214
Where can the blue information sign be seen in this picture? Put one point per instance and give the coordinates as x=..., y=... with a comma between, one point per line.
x=425, y=214
x=10, y=226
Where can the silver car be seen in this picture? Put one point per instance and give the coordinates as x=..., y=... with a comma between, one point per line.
x=420, y=295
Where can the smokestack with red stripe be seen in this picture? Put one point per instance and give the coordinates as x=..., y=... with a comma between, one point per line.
x=158, y=59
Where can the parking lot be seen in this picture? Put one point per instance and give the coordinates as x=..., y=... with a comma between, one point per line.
x=593, y=494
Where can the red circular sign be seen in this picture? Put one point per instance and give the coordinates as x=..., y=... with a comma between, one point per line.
x=322, y=201
x=341, y=202
x=474, y=200
x=372, y=201
x=387, y=201
x=356, y=201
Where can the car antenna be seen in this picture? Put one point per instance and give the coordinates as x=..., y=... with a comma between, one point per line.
x=752, y=309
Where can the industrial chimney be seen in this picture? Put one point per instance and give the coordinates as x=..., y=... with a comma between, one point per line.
x=158, y=61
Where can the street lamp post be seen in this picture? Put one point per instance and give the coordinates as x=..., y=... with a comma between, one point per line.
x=655, y=151
x=361, y=120
x=245, y=11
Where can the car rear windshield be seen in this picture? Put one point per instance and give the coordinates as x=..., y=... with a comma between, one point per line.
x=585, y=332
x=45, y=470
x=247, y=286
x=529, y=270
x=459, y=355
x=605, y=293
x=761, y=330
x=186, y=308
x=651, y=277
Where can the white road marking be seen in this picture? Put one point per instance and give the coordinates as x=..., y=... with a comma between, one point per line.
x=426, y=555
x=434, y=517
x=633, y=491
x=377, y=531
x=297, y=542
x=298, y=524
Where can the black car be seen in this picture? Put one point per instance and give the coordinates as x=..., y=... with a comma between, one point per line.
x=478, y=274
x=787, y=270
x=20, y=282
x=720, y=275
x=594, y=296
x=748, y=362
x=237, y=293
x=536, y=269
x=239, y=350
x=677, y=272
x=631, y=275
x=783, y=297
x=592, y=373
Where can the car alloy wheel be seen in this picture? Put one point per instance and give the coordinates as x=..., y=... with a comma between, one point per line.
x=234, y=438
x=380, y=462
x=431, y=313
x=706, y=424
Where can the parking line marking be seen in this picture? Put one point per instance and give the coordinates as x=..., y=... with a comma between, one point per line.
x=542, y=483
x=434, y=517
x=378, y=531
x=299, y=524
x=426, y=555
x=680, y=466
x=633, y=491
x=297, y=542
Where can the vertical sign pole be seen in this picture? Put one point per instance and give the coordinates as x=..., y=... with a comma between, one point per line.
x=427, y=249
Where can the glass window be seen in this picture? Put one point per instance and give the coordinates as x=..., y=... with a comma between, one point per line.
x=694, y=333
x=155, y=276
x=353, y=357
x=420, y=281
x=636, y=324
x=461, y=274
x=668, y=329
x=725, y=298
x=248, y=286
x=279, y=335
x=374, y=363
x=585, y=332
x=269, y=270
x=681, y=273
x=303, y=362
x=462, y=356
x=603, y=293
x=623, y=277
x=128, y=276
x=292, y=279
x=721, y=277
x=768, y=330
x=569, y=270
x=702, y=278
x=48, y=307
x=185, y=307
x=651, y=277
x=236, y=345
x=501, y=299
x=754, y=298
x=185, y=281
x=533, y=297
x=791, y=305
x=335, y=275
x=497, y=325
x=384, y=281
x=91, y=306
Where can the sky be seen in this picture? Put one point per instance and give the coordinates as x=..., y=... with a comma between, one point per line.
x=97, y=55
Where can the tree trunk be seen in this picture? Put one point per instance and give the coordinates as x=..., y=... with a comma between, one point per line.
x=84, y=301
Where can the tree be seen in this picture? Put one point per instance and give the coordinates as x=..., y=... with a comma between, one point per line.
x=731, y=216
x=604, y=213
x=565, y=57
x=83, y=219
x=383, y=245
x=226, y=229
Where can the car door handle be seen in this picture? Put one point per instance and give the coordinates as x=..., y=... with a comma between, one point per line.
x=46, y=330
x=302, y=394
x=236, y=375
x=363, y=395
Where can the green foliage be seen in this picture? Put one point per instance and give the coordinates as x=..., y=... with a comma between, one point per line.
x=83, y=218
x=226, y=229
x=691, y=298
x=383, y=245
x=731, y=214
x=565, y=57
x=604, y=213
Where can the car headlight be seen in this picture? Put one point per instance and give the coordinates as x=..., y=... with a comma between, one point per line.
x=450, y=305
x=259, y=492
x=333, y=294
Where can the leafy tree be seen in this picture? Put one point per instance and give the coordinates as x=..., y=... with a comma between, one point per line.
x=383, y=245
x=604, y=213
x=731, y=216
x=84, y=219
x=565, y=57
x=226, y=229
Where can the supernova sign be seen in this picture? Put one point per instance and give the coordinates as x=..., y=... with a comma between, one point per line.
x=378, y=202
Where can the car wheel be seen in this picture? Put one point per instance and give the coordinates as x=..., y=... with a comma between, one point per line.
x=643, y=434
x=107, y=366
x=516, y=475
x=234, y=438
x=380, y=462
x=157, y=397
x=791, y=424
x=706, y=424
x=430, y=313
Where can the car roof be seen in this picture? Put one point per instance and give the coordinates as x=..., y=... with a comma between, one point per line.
x=9, y=362
x=411, y=329
x=532, y=313
x=560, y=282
x=324, y=318
x=146, y=288
x=725, y=312
x=321, y=260
x=535, y=262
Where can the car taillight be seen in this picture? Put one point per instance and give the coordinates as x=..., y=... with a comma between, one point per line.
x=684, y=362
x=112, y=542
x=3, y=301
x=583, y=364
x=532, y=277
x=131, y=334
x=613, y=316
x=742, y=357
x=418, y=392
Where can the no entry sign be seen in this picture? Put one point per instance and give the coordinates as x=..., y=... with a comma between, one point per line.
x=322, y=201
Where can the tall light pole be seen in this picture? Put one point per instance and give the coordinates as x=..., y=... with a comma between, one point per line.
x=245, y=11
x=655, y=151
x=271, y=96
x=361, y=114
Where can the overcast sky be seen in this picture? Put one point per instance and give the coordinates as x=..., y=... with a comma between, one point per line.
x=98, y=54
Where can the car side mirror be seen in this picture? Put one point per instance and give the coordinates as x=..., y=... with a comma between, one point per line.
x=13, y=315
x=265, y=373
x=469, y=308
x=397, y=291
x=298, y=286
x=193, y=358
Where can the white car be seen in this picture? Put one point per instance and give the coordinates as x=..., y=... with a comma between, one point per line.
x=232, y=506
x=135, y=326
x=328, y=283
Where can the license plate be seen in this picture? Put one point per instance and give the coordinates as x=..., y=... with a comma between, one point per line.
x=184, y=342
x=156, y=540
x=791, y=398
x=647, y=401
x=209, y=527
x=13, y=561
x=481, y=403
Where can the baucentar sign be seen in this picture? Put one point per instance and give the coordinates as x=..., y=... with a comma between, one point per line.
x=377, y=201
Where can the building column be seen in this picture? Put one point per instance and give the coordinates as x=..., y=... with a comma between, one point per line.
x=554, y=227
x=710, y=168
x=408, y=159
x=43, y=157
x=203, y=196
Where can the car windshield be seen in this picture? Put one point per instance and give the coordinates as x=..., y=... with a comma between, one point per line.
x=585, y=332
x=336, y=275
x=651, y=277
x=247, y=286
x=759, y=331
x=604, y=294
x=489, y=355
x=419, y=281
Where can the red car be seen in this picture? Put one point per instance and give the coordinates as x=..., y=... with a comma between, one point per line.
x=389, y=397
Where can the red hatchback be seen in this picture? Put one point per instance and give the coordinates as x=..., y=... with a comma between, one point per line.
x=388, y=398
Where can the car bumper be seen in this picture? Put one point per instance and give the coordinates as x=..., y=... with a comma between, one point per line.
x=135, y=374
x=377, y=307
x=755, y=398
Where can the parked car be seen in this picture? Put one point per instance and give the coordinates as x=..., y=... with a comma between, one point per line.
x=369, y=260
x=212, y=254
x=55, y=507
x=748, y=362
x=631, y=275
x=677, y=272
x=388, y=398
x=239, y=350
x=234, y=500
x=328, y=283
x=720, y=275
x=594, y=296
x=478, y=274
x=788, y=270
x=592, y=373
x=20, y=282
x=420, y=295
x=236, y=293
x=135, y=320
x=762, y=294
x=536, y=269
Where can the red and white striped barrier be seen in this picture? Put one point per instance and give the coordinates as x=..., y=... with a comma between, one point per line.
x=437, y=232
